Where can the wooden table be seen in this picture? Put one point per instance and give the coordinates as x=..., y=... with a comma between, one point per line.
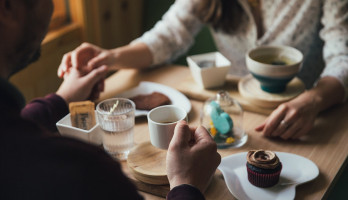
x=326, y=144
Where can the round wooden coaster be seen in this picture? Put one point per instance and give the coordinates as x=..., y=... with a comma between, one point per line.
x=250, y=89
x=148, y=164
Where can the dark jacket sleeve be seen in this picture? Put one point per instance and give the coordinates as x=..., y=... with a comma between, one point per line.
x=46, y=111
x=185, y=192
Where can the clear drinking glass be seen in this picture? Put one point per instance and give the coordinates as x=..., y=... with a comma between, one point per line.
x=116, y=119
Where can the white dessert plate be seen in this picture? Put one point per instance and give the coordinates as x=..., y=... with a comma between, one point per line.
x=176, y=97
x=296, y=170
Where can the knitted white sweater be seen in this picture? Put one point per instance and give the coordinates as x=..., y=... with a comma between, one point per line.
x=318, y=28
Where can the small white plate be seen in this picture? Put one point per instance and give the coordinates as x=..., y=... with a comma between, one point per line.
x=176, y=97
x=296, y=170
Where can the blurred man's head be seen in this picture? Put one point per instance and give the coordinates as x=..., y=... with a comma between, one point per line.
x=23, y=25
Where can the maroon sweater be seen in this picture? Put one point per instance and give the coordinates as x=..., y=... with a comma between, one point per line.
x=37, y=164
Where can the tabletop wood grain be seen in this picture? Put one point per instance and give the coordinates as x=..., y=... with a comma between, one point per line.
x=326, y=144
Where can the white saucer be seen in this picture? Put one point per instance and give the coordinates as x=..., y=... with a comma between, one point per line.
x=296, y=170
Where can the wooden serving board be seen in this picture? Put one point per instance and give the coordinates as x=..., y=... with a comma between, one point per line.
x=251, y=90
x=148, y=164
x=146, y=169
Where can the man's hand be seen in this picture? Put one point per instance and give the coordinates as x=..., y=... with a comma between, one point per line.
x=192, y=157
x=78, y=87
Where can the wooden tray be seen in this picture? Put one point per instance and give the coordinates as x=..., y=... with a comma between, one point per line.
x=148, y=164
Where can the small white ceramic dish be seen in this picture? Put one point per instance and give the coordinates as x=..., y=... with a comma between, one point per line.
x=209, y=70
x=92, y=136
x=296, y=170
x=176, y=97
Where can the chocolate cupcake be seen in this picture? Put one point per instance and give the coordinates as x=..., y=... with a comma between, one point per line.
x=263, y=168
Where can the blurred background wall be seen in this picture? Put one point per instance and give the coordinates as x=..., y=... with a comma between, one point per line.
x=106, y=23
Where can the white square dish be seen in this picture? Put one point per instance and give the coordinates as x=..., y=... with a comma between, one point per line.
x=92, y=135
x=209, y=70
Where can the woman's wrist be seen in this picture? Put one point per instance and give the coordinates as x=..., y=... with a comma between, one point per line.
x=312, y=99
x=115, y=58
x=132, y=56
x=325, y=94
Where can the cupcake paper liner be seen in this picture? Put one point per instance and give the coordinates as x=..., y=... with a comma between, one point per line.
x=263, y=180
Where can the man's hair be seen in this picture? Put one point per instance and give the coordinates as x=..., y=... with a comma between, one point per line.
x=29, y=3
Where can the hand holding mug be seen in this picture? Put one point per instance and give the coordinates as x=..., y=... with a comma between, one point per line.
x=192, y=157
x=162, y=121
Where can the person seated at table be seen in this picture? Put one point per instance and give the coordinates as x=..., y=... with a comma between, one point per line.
x=238, y=26
x=38, y=164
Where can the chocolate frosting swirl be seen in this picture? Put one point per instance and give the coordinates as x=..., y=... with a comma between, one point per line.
x=263, y=159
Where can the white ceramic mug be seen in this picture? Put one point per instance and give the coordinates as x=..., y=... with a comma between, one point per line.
x=162, y=121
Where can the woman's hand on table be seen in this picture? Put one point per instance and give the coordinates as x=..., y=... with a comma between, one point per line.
x=192, y=157
x=291, y=120
x=296, y=118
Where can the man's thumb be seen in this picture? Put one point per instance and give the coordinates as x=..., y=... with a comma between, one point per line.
x=182, y=133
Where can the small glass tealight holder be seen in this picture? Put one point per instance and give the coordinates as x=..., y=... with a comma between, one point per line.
x=222, y=116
